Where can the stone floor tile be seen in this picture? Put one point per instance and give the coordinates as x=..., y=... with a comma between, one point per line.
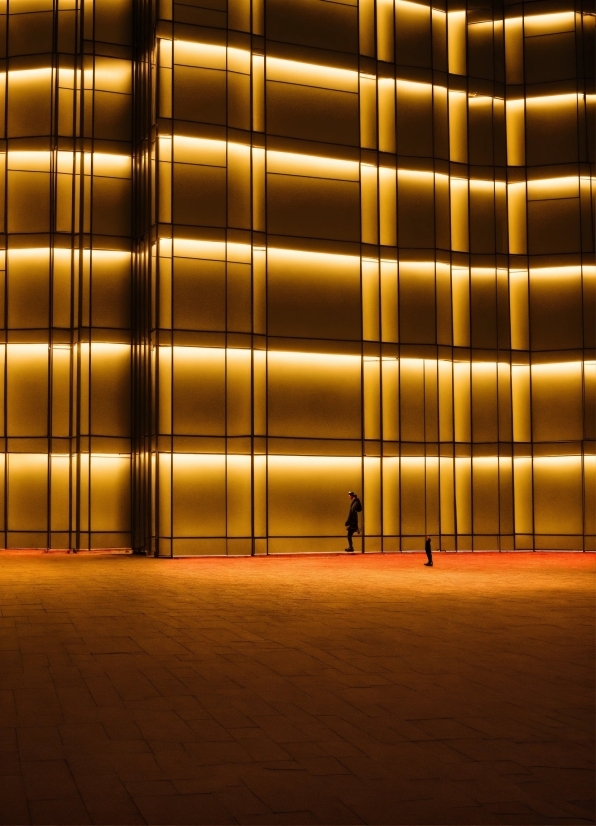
x=302, y=818
x=324, y=765
x=59, y=812
x=182, y=809
x=13, y=801
x=262, y=748
x=48, y=780
x=241, y=803
x=307, y=690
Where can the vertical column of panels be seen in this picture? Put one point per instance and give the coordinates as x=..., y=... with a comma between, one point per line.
x=276, y=387
x=65, y=166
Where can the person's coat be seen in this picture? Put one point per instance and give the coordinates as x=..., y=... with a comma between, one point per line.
x=352, y=520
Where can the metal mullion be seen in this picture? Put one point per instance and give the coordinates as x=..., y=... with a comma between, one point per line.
x=424, y=444
x=585, y=125
x=227, y=287
x=77, y=276
x=5, y=319
x=470, y=328
x=252, y=303
x=171, y=433
x=54, y=96
x=362, y=389
x=81, y=291
x=399, y=394
x=266, y=231
x=453, y=439
x=158, y=321
x=72, y=401
x=498, y=443
x=527, y=254
x=583, y=451
x=379, y=316
x=154, y=310
x=450, y=222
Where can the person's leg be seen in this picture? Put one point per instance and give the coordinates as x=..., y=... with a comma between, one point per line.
x=429, y=556
x=350, y=535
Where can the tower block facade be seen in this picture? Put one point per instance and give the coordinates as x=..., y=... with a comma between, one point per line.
x=258, y=253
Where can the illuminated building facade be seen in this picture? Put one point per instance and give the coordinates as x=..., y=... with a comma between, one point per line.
x=261, y=252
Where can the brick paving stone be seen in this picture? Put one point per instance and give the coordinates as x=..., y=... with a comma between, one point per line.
x=71, y=812
x=13, y=800
x=182, y=809
x=318, y=690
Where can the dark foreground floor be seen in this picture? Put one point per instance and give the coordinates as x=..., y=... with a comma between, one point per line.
x=294, y=690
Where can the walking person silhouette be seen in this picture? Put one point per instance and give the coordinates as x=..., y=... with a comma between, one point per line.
x=352, y=520
x=429, y=553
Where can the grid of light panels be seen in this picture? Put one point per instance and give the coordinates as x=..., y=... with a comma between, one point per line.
x=359, y=242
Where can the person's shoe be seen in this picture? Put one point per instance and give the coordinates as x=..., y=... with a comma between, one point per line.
x=428, y=564
x=349, y=550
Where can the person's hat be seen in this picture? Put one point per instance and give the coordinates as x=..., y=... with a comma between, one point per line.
x=351, y=493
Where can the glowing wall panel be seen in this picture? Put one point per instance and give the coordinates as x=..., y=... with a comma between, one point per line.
x=352, y=246
x=66, y=276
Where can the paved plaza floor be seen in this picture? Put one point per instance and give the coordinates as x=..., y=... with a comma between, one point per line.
x=330, y=690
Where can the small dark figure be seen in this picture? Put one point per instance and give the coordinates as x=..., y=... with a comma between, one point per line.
x=429, y=552
x=352, y=520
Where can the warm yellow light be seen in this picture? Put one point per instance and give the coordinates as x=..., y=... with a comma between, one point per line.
x=23, y=6
x=569, y=460
x=315, y=166
x=31, y=461
x=207, y=250
x=557, y=367
x=27, y=351
x=105, y=164
x=414, y=86
x=456, y=39
x=31, y=253
x=198, y=150
x=480, y=100
x=110, y=348
x=68, y=162
x=315, y=360
x=238, y=253
x=109, y=74
x=312, y=258
x=108, y=165
x=537, y=24
x=239, y=60
x=557, y=272
x=27, y=75
x=205, y=460
x=280, y=461
x=216, y=251
x=488, y=461
x=30, y=161
x=549, y=101
x=197, y=353
x=191, y=248
x=311, y=74
x=110, y=256
x=567, y=187
x=486, y=186
x=106, y=460
x=409, y=5
x=415, y=174
x=68, y=77
x=205, y=55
